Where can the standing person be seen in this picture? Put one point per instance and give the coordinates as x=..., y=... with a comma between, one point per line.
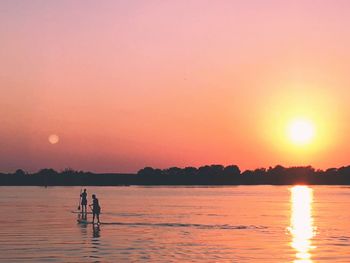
x=96, y=209
x=83, y=197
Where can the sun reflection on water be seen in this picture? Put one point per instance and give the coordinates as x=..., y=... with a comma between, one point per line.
x=302, y=228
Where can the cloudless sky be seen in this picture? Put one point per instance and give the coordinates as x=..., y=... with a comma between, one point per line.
x=128, y=84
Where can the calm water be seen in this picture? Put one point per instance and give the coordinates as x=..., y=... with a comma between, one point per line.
x=178, y=224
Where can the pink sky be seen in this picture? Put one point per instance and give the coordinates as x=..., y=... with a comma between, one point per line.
x=128, y=84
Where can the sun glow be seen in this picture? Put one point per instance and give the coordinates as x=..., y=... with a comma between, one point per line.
x=301, y=126
x=301, y=131
x=302, y=228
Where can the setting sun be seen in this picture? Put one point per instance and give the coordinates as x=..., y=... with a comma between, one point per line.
x=301, y=131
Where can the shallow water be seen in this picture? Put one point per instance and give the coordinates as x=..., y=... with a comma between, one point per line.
x=178, y=224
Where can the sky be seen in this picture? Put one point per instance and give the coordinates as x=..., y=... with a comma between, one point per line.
x=113, y=86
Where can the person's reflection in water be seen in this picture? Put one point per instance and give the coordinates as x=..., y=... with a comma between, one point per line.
x=301, y=223
x=83, y=228
x=82, y=216
x=96, y=231
x=96, y=243
x=94, y=249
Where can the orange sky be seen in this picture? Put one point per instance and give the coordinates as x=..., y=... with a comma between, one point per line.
x=125, y=84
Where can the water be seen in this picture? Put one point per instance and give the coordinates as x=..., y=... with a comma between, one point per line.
x=178, y=224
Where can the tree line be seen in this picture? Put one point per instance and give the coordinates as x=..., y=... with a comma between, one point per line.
x=204, y=175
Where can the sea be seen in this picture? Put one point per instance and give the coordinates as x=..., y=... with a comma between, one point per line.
x=299, y=224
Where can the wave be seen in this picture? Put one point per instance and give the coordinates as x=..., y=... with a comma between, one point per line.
x=184, y=225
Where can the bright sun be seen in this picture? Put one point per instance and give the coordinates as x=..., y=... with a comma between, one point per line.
x=301, y=131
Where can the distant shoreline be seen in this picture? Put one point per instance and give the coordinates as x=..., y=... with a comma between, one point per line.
x=209, y=175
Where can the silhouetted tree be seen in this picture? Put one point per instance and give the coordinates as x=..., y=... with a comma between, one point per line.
x=211, y=170
x=344, y=171
x=19, y=172
x=147, y=171
x=68, y=171
x=47, y=172
x=278, y=169
x=204, y=175
x=260, y=172
x=157, y=172
x=173, y=171
x=231, y=170
x=190, y=171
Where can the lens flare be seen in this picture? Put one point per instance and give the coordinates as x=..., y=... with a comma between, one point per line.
x=53, y=139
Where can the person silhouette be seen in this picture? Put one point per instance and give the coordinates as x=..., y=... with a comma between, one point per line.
x=83, y=197
x=96, y=209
